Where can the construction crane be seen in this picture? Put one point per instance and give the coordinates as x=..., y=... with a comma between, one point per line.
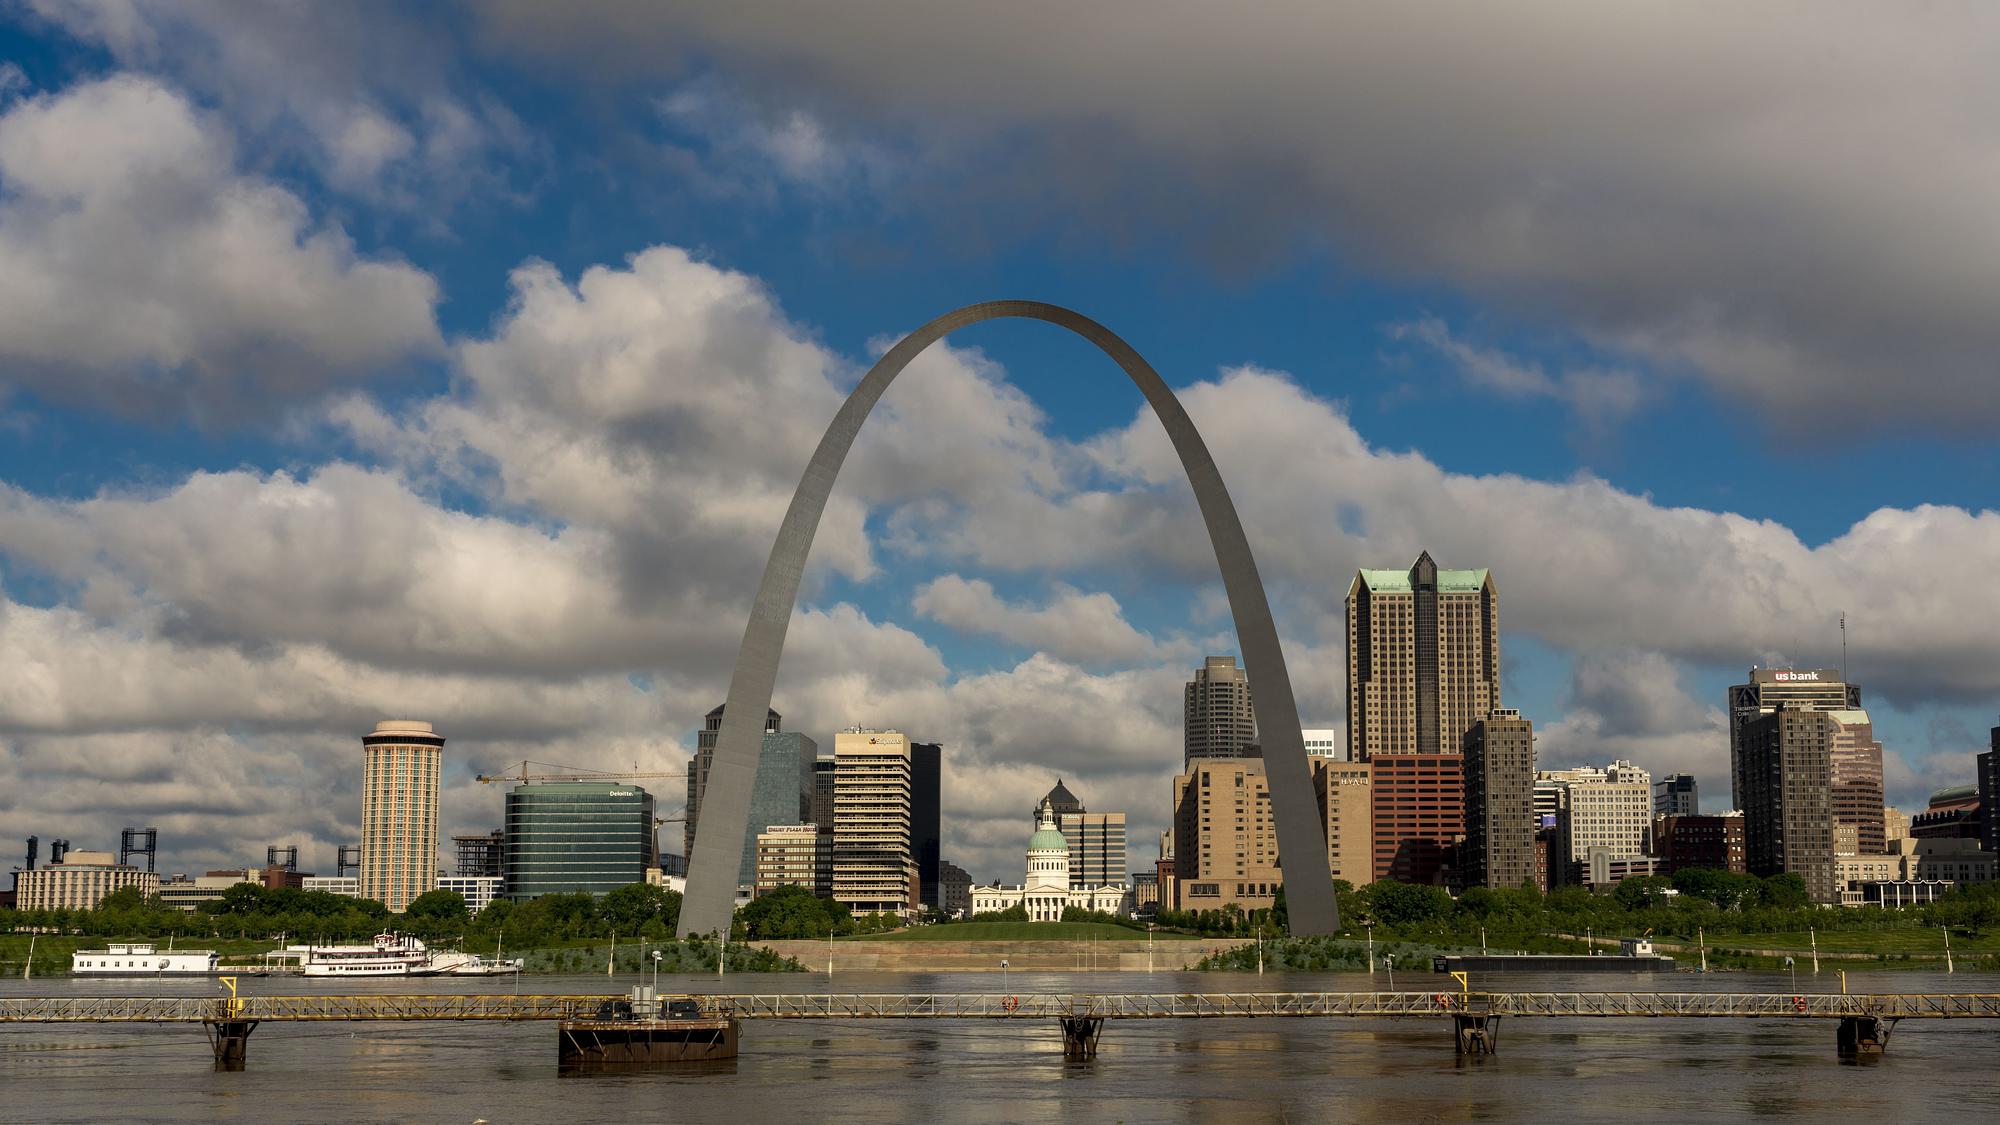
x=552, y=772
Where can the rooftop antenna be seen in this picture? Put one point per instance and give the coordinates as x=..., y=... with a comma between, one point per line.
x=1843, y=646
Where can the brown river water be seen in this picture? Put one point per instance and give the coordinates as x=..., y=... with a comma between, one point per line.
x=1547, y=1070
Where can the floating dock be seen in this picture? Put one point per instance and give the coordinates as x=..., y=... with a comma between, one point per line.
x=1550, y=963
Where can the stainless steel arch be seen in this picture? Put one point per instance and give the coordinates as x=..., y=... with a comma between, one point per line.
x=725, y=805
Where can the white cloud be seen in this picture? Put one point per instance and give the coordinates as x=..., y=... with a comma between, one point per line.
x=140, y=273
x=372, y=94
x=1088, y=628
x=1601, y=396
x=1786, y=199
x=632, y=438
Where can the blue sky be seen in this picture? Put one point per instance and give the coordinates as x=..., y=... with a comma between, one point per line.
x=458, y=360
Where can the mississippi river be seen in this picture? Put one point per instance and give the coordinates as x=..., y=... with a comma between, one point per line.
x=1547, y=1070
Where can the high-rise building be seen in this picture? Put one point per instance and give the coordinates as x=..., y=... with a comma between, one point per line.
x=1096, y=840
x=1418, y=813
x=1989, y=794
x=1895, y=826
x=954, y=891
x=1217, y=720
x=1682, y=842
x=1324, y=742
x=1608, y=810
x=1801, y=689
x=1423, y=658
x=480, y=856
x=399, y=811
x=822, y=806
x=698, y=767
x=781, y=794
x=1500, y=825
x=1857, y=781
x=568, y=836
x=1787, y=768
x=927, y=818
x=874, y=866
x=1225, y=845
x=1347, y=810
x=1676, y=795
x=794, y=855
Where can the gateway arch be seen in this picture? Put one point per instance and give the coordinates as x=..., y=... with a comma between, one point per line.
x=725, y=806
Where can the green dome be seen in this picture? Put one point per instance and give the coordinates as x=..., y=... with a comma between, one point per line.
x=1047, y=840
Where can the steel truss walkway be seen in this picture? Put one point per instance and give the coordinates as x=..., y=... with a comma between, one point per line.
x=1044, y=1005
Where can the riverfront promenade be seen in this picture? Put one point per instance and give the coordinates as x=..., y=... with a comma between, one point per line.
x=862, y=956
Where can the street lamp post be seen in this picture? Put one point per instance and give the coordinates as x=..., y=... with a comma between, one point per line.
x=1369, y=925
x=1389, y=963
x=1792, y=967
x=1003, y=974
x=656, y=972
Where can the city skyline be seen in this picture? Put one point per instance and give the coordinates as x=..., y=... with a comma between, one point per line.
x=425, y=384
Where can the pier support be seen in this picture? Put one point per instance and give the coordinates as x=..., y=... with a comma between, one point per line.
x=1476, y=1034
x=231, y=1040
x=1080, y=1036
x=583, y=1045
x=1863, y=1036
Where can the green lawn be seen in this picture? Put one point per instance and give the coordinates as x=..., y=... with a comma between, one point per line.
x=52, y=951
x=1916, y=942
x=1020, y=931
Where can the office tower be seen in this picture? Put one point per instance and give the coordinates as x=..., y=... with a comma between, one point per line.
x=1682, y=842
x=781, y=794
x=1801, y=689
x=927, y=818
x=399, y=811
x=1676, y=795
x=1895, y=826
x=1096, y=840
x=480, y=856
x=1989, y=794
x=1419, y=811
x=698, y=766
x=1423, y=658
x=1324, y=742
x=954, y=891
x=1787, y=769
x=1217, y=721
x=874, y=869
x=823, y=795
x=1347, y=810
x=1225, y=845
x=567, y=836
x=1608, y=810
x=795, y=855
x=1500, y=801
x=1857, y=782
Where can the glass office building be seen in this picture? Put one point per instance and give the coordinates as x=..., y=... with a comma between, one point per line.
x=571, y=836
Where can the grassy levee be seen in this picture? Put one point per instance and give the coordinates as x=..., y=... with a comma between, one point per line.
x=1020, y=931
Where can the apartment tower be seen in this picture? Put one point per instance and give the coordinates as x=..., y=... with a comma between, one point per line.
x=1787, y=769
x=874, y=864
x=399, y=811
x=1499, y=847
x=1423, y=658
x=1225, y=842
x=1217, y=720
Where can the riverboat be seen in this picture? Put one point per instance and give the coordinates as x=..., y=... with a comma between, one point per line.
x=394, y=955
x=143, y=959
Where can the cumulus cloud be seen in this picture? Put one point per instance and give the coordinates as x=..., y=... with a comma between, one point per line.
x=1085, y=627
x=371, y=94
x=140, y=273
x=1781, y=200
x=626, y=442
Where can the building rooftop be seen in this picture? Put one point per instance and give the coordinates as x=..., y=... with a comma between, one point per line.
x=1061, y=800
x=1448, y=581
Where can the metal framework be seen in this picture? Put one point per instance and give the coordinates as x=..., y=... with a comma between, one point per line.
x=1043, y=1005
x=725, y=803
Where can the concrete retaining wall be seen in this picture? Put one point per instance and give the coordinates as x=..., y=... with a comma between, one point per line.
x=985, y=956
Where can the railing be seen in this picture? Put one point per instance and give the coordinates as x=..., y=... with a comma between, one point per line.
x=1027, y=1005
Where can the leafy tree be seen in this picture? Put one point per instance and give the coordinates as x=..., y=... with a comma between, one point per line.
x=786, y=913
x=437, y=912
